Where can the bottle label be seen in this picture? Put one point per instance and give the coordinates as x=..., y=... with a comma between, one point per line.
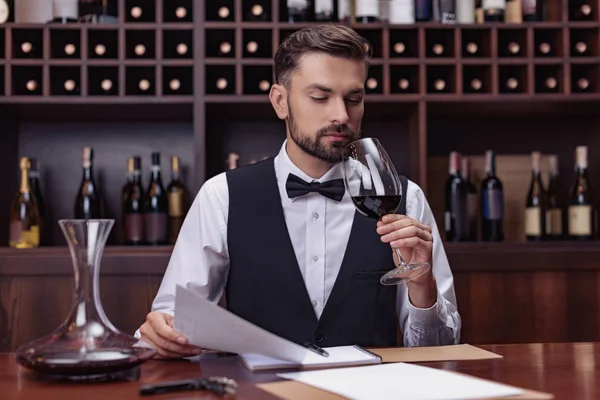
x=298, y=4
x=23, y=237
x=402, y=12
x=493, y=4
x=156, y=227
x=554, y=222
x=344, y=9
x=367, y=8
x=513, y=13
x=533, y=221
x=175, y=204
x=324, y=7
x=492, y=204
x=134, y=228
x=580, y=220
x=66, y=9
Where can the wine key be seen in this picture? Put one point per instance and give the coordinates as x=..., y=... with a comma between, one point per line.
x=218, y=385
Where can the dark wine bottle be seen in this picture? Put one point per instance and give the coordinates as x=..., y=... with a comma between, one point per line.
x=580, y=202
x=299, y=10
x=178, y=201
x=423, y=10
x=88, y=203
x=156, y=206
x=535, y=206
x=492, y=202
x=554, y=216
x=456, y=217
x=472, y=199
x=36, y=190
x=326, y=10
x=133, y=204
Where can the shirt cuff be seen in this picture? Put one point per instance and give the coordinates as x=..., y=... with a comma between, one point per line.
x=426, y=317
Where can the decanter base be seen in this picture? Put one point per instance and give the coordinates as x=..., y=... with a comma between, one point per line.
x=113, y=365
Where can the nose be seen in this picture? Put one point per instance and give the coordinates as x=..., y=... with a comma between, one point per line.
x=339, y=112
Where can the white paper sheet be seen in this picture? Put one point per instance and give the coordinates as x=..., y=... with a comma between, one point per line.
x=212, y=327
x=401, y=381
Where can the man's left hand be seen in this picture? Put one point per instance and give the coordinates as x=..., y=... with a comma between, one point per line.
x=415, y=242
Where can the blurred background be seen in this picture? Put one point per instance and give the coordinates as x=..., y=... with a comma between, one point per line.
x=123, y=108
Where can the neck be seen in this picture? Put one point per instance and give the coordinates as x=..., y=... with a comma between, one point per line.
x=311, y=166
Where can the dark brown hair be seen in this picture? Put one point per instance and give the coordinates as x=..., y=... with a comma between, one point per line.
x=331, y=39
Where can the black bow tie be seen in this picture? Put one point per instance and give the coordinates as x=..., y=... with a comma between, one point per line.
x=333, y=189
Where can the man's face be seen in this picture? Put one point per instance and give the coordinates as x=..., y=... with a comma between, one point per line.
x=326, y=105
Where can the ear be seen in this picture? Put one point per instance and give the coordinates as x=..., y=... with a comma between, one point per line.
x=278, y=97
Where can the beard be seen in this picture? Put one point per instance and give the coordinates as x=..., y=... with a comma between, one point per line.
x=318, y=146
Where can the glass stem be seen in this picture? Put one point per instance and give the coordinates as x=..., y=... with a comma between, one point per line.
x=402, y=262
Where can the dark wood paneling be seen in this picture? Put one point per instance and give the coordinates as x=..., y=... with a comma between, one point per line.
x=58, y=148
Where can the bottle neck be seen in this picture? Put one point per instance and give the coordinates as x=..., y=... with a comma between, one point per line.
x=155, y=173
x=136, y=177
x=175, y=175
x=25, y=188
x=87, y=173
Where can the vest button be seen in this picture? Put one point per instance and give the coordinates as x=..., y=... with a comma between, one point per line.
x=319, y=338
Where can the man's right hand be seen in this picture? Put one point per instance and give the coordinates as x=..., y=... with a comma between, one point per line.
x=159, y=333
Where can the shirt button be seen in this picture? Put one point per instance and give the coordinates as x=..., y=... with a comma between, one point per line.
x=315, y=258
x=316, y=216
x=314, y=303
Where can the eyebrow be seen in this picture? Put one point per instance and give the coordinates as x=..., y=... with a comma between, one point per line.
x=329, y=90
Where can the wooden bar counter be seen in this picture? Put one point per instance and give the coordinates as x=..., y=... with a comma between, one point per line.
x=566, y=370
x=506, y=292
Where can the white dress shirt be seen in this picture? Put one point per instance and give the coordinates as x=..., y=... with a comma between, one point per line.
x=319, y=229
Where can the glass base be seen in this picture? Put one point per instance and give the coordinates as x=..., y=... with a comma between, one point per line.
x=101, y=365
x=403, y=274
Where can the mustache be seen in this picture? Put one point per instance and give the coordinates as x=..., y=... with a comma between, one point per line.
x=336, y=130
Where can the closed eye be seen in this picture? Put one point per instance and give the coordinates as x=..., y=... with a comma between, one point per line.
x=319, y=99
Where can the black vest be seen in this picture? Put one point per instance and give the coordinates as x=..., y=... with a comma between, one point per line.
x=265, y=285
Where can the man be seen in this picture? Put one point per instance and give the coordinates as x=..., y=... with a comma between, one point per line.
x=307, y=267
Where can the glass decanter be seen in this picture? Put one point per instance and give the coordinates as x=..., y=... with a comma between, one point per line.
x=86, y=346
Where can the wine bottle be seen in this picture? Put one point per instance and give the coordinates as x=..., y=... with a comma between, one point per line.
x=178, y=201
x=24, y=232
x=157, y=206
x=532, y=10
x=65, y=11
x=423, y=10
x=33, y=11
x=580, y=202
x=492, y=202
x=88, y=203
x=447, y=11
x=513, y=13
x=401, y=12
x=298, y=10
x=465, y=11
x=471, y=198
x=133, y=204
x=326, y=10
x=367, y=10
x=493, y=10
x=232, y=161
x=36, y=190
x=456, y=216
x=554, y=216
x=535, y=205
x=99, y=11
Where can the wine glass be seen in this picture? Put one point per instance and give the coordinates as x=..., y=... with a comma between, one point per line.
x=375, y=188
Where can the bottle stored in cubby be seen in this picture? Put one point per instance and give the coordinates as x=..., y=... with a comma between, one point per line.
x=157, y=206
x=472, y=200
x=580, y=201
x=133, y=204
x=554, y=215
x=492, y=202
x=535, y=205
x=24, y=229
x=88, y=202
x=456, y=213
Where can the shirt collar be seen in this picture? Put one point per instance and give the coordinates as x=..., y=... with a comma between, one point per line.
x=284, y=166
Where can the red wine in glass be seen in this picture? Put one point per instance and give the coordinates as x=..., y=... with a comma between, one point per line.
x=375, y=189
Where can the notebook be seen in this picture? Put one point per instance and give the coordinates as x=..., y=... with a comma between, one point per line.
x=340, y=356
